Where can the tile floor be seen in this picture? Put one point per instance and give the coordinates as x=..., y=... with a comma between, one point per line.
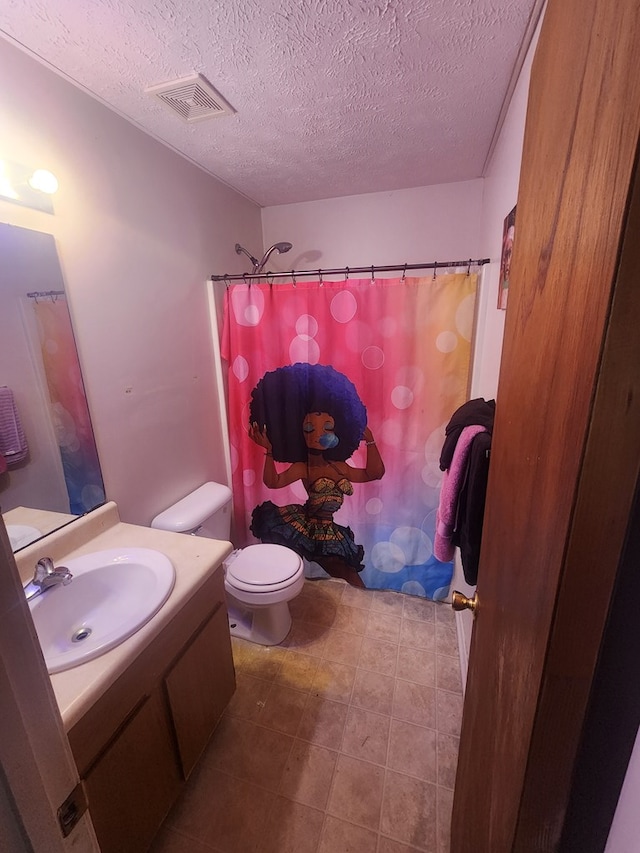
x=344, y=738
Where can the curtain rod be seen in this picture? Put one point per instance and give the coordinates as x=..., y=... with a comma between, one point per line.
x=42, y=294
x=346, y=271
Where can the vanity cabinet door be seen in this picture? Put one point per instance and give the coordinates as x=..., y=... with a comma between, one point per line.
x=200, y=685
x=134, y=780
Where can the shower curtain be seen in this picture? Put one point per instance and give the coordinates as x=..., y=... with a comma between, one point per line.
x=338, y=397
x=69, y=410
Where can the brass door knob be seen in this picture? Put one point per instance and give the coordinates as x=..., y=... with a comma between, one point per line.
x=461, y=602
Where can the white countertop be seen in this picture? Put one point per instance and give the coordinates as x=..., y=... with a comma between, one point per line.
x=43, y=520
x=194, y=559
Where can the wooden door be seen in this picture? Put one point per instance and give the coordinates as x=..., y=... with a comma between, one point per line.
x=566, y=442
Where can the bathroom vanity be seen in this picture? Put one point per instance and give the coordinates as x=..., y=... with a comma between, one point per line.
x=139, y=716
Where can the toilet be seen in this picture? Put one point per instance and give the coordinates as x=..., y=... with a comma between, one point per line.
x=259, y=580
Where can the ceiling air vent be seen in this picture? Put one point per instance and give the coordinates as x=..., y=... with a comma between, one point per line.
x=192, y=98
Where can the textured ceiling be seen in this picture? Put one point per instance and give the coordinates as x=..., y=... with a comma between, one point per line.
x=332, y=97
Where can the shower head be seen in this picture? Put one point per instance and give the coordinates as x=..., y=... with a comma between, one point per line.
x=259, y=265
x=281, y=248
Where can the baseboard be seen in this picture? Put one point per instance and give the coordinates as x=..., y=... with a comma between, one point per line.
x=463, y=630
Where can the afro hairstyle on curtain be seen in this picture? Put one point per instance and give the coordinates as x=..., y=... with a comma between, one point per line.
x=284, y=396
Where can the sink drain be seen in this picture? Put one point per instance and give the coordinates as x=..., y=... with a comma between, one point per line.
x=80, y=635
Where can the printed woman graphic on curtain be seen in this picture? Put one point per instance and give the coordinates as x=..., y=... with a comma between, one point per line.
x=325, y=382
x=311, y=416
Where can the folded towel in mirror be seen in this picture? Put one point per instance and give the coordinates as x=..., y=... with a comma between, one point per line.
x=13, y=443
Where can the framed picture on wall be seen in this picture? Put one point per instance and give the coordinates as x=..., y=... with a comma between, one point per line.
x=508, y=232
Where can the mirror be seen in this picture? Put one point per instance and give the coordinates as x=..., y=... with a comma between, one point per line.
x=49, y=467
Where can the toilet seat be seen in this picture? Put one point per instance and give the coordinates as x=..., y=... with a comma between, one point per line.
x=264, y=568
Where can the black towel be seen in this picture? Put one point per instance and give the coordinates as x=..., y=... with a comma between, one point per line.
x=477, y=411
x=468, y=533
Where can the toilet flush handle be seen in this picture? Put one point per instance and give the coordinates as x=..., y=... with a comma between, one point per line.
x=196, y=531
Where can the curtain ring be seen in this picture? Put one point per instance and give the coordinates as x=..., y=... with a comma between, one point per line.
x=226, y=281
x=435, y=268
x=404, y=273
x=372, y=275
x=270, y=279
x=320, y=277
x=293, y=278
x=346, y=273
x=469, y=267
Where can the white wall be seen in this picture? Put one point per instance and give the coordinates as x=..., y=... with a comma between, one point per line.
x=624, y=835
x=138, y=230
x=438, y=223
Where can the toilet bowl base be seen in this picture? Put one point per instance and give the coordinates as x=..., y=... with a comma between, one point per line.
x=266, y=626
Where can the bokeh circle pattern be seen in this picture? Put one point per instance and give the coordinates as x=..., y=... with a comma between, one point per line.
x=240, y=368
x=373, y=357
x=402, y=397
x=446, y=342
x=247, y=305
x=343, y=306
x=304, y=349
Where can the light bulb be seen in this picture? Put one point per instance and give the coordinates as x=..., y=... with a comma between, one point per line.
x=44, y=181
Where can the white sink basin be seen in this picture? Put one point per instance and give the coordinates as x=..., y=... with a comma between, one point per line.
x=113, y=593
x=20, y=535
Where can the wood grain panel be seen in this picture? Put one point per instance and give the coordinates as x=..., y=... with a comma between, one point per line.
x=199, y=687
x=579, y=152
x=125, y=821
x=605, y=498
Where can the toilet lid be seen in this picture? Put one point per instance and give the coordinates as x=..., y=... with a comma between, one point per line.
x=264, y=565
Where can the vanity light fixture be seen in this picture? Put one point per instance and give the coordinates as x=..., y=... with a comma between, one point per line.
x=44, y=181
x=26, y=186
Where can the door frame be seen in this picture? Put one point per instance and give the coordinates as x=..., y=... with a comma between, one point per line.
x=35, y=756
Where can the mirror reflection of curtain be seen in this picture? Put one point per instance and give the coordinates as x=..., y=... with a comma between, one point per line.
x=405, y=345
x=69, y=410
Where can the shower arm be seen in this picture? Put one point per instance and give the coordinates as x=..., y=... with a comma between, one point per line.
x=241, y=250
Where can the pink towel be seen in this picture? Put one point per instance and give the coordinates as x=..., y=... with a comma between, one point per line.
x=13, y=444
x=452, y=481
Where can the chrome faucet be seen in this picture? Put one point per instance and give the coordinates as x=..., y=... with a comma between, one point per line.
x=45, y=576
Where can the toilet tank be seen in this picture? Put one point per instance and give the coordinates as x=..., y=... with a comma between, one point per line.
x=204, y=512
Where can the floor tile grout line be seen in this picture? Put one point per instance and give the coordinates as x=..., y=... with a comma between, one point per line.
x=348, y=702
